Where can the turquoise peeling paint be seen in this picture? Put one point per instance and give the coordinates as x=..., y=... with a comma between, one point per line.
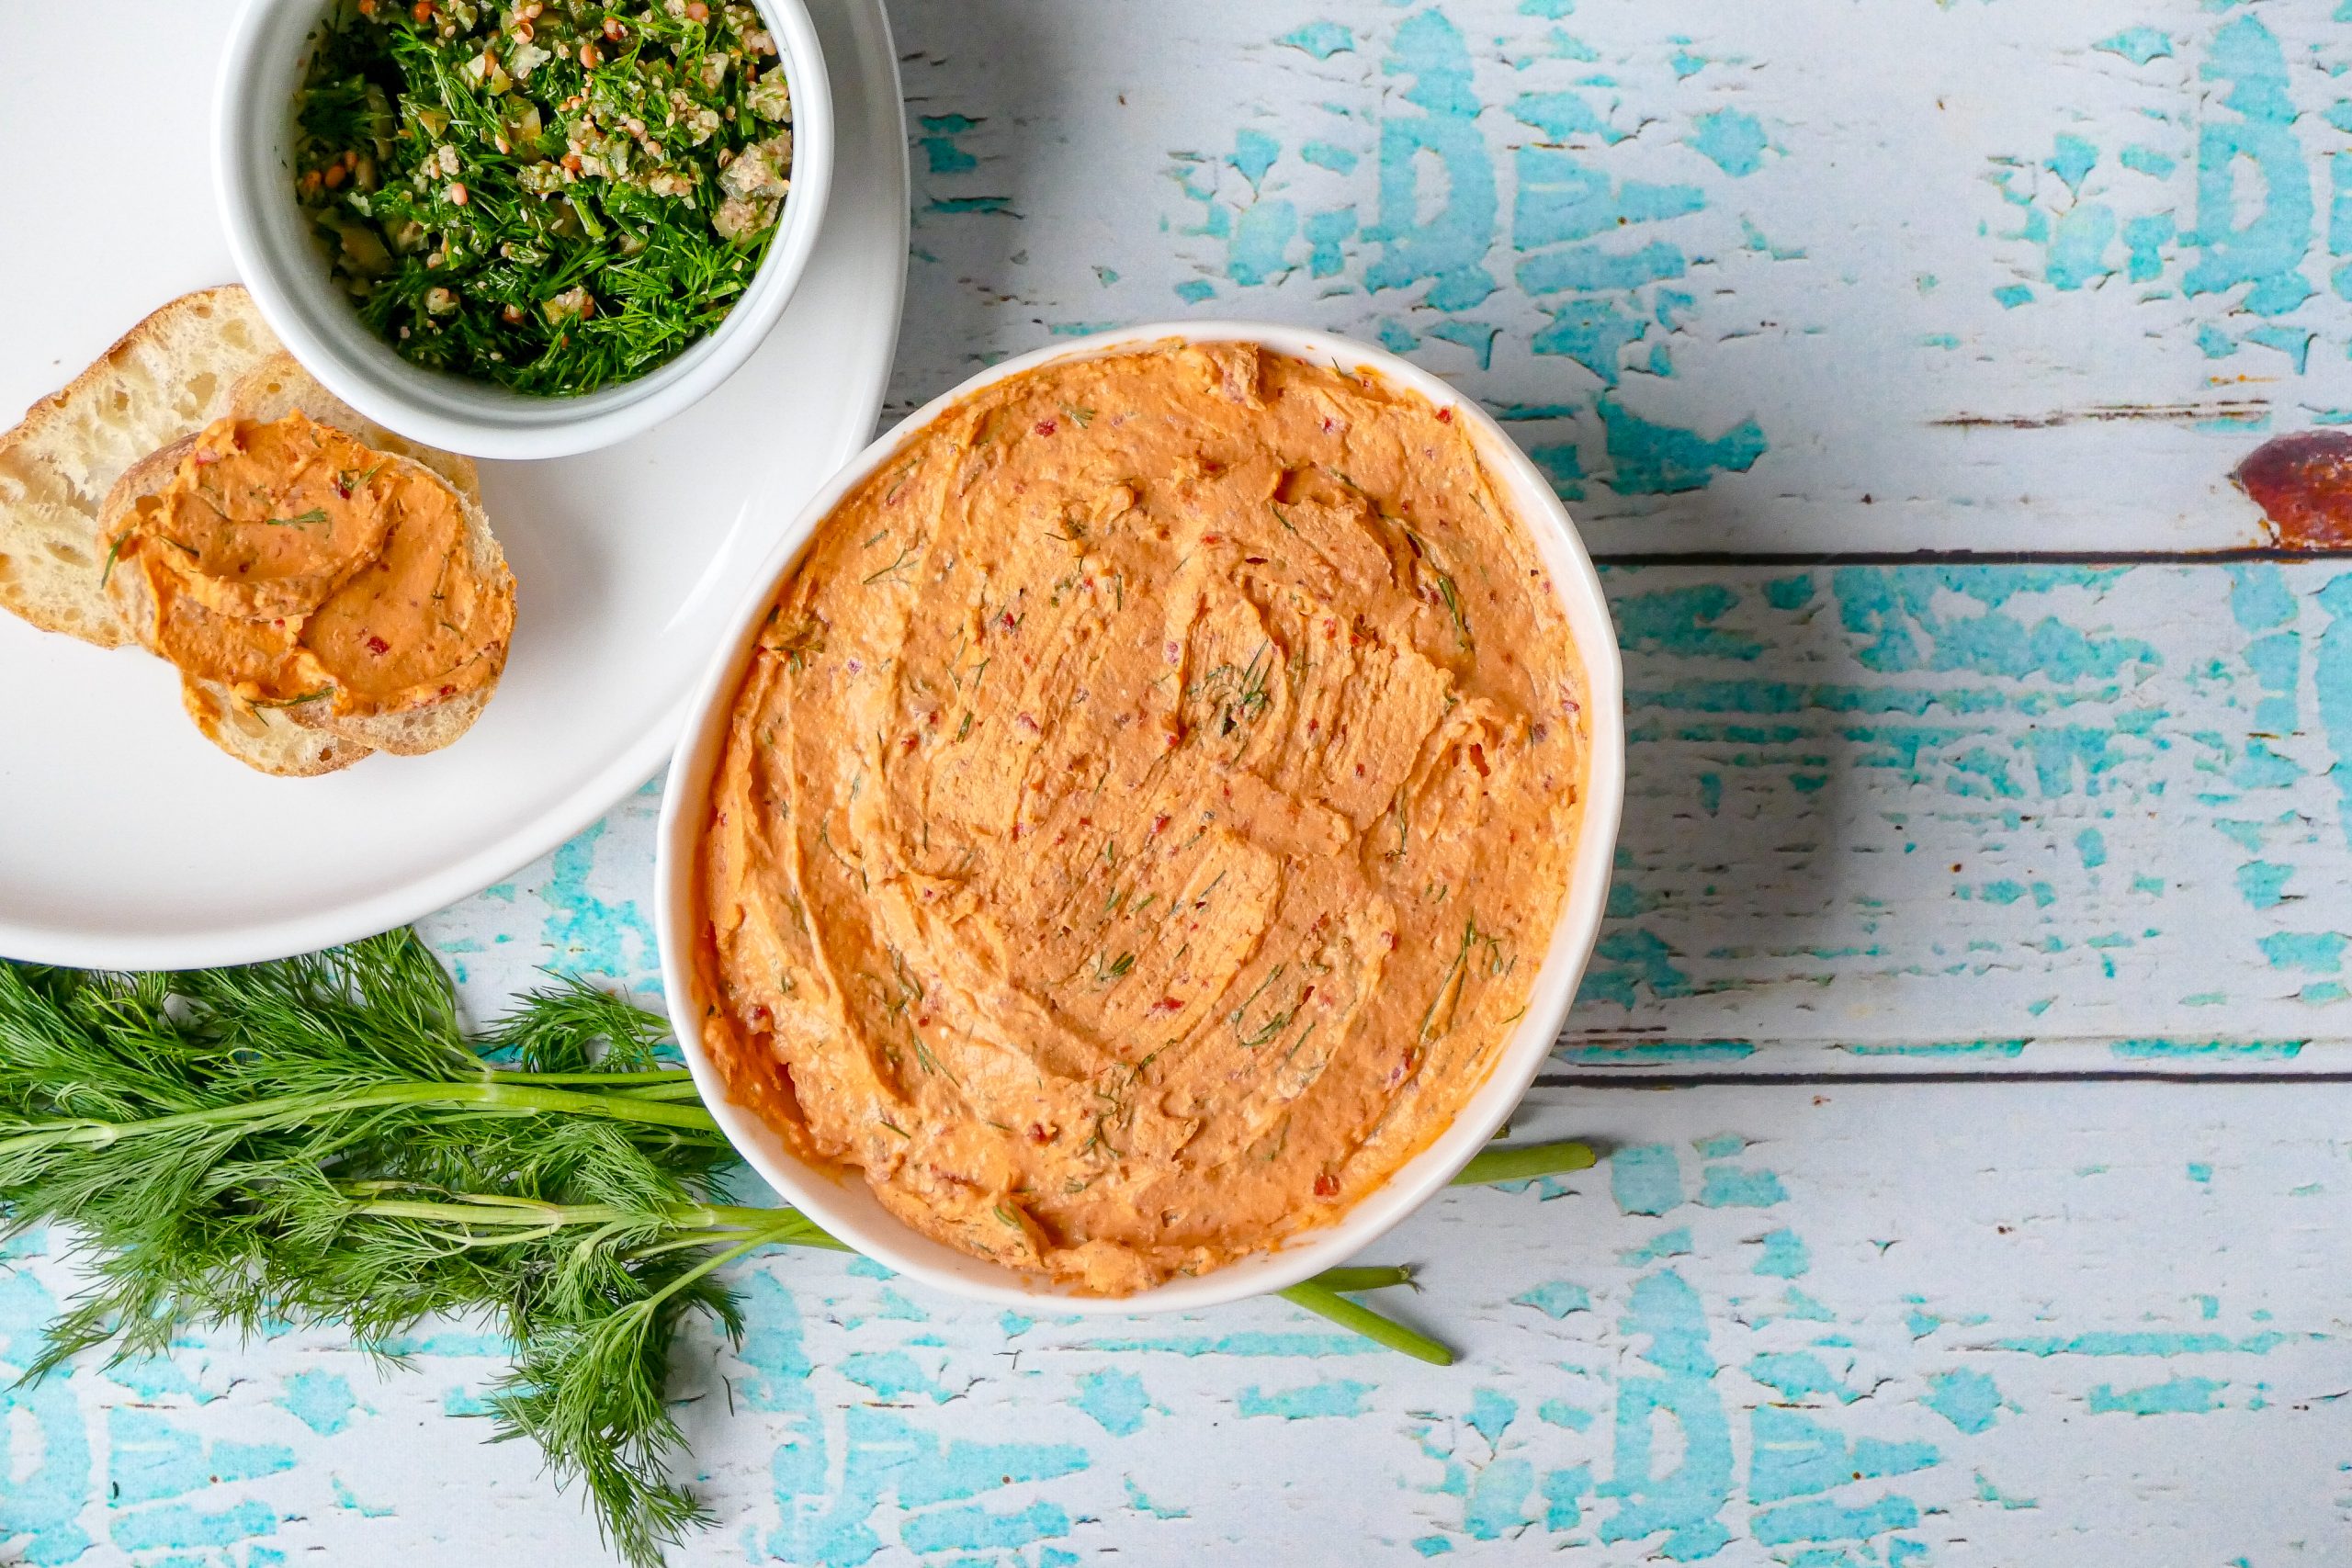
x=1727, y=1187
x=1321, y=40
x=1794, y=1522
x=183, y=1526
x=1675, y=1243
x=1730, y=139
x=1897, y=609
x=1563, y=197
x=1448, y=249
x=893, y=1374
x=1683, y=1505
x=2319, y=952
x=1243, y=1344
x=1662, y=459
x=1645, y=1179
x=321, y=1400
x=937, y=143
x=150, y=1459
x=1557, y=1298
x=1966, y=1398
x=1791, y=1455
x=2263, y=884
x=974, y=1529
x=1799, y=1374
x=1340, y=1397
x=2071, y=159
x=586, y=935
x=2267, y=252
x=1671, y=1054
x=1682, y=622
x=1496, y=1503
x=1560, y=1413
x=2139, y=45
x=1785, y=1257
x=2179, y=1396
x=1253, y=153
x=1595, y=334
x=153, y=1377
x=2148, y=1342
x=41, y=1505
x=1596, y=267
x=1326, y=155
x=1564, y=1494
x=2207, y=1049
x=1114, y=1399
x=1491, y=1414
x=1564, y=114
x=2332, y=675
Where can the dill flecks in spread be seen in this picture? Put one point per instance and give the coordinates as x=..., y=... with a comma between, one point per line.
x=295, y=566
x=554, y=195
x=1146, y=812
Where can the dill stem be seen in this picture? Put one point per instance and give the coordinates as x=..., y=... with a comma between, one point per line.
x=1372, y=1279
x=718, y=1220
x=1524, y=1160
x=286, y=1110
x=611, y=1080
x=1324, y=1301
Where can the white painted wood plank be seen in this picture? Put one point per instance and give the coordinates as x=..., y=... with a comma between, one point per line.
x=1749, y=276
x=1929, y=1325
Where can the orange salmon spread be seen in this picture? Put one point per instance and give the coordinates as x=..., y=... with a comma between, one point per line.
x=294, y=565
x=1145, y=813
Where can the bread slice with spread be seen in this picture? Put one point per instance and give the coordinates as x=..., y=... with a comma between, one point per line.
x=159, y=382
x=295, y=572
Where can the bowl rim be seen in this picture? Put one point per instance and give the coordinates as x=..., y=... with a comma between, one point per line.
x=459, y=413
x=841, y=1201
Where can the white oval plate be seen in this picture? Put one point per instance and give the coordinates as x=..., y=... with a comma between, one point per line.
x=127, y=840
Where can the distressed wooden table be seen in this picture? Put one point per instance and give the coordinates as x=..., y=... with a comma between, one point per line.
x=1969, y=1028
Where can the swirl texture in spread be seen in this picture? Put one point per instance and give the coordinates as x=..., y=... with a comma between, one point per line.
x=1145, y=813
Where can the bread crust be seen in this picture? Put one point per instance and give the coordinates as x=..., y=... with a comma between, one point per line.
x=157, y=383
x=265, y=739
x=407, y=732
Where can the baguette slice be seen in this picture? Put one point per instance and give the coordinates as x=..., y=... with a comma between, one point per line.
x=279, y=386
x=157, y=384
x=406, y=732
x=264, y=739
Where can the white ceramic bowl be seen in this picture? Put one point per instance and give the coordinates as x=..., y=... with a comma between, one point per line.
x=283, y=265
x=844, y=1205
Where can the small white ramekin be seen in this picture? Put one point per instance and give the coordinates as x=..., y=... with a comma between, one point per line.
x=842, y=1203
x=283, y=265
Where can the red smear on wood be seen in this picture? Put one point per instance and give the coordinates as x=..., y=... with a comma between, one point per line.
x=2303, y=484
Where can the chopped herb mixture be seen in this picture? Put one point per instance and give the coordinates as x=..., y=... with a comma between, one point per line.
x=554, y=195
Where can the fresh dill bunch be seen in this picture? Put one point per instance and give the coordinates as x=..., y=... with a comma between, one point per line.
x=318, y=1140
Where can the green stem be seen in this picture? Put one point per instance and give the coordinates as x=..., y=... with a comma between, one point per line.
x=1324, y=1301
x=1351, y=1280
x=623, y=1081
x=1518, y=1163
x=293, y=1108
x=682, y=1090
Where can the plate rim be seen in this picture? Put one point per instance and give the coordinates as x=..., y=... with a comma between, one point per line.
x=644, y=758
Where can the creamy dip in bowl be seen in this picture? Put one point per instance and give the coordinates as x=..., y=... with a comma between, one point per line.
x=1145, y=836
